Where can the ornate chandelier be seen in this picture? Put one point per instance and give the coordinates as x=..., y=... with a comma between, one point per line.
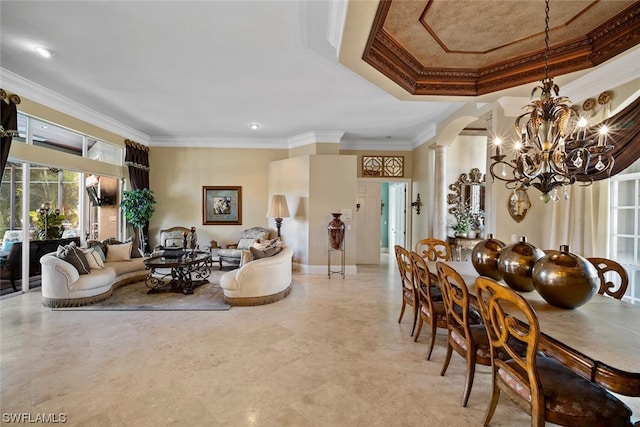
x=555, y=148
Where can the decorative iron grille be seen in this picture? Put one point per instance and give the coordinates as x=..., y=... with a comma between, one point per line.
x=385, y=166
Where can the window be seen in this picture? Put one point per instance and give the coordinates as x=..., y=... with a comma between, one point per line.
x=41, y=133
x=625, y=226
x=56, y=190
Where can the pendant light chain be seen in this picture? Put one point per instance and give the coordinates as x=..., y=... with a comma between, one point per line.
x=546, y=40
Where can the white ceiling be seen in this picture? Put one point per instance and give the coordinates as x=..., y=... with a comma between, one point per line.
x=202, y=71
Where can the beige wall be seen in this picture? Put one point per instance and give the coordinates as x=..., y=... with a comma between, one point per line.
x=323, y=184
x=177, y=176
x=295, y=229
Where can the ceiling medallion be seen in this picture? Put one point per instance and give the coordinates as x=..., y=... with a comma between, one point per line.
x=555, y=148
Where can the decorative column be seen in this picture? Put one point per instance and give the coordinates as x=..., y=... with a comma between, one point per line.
x=440, y=199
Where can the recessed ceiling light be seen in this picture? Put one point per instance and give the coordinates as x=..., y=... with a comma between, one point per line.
x=254, y=126
x=44, y=52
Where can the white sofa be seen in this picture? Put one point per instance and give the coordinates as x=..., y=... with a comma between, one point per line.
x=63, y=286
x=258, y=282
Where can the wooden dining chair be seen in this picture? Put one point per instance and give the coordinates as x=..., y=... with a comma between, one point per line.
x=434, y=249
x=409, y=292
x=608, y=268
x=466, y=335
x=540, y=385
x=431, y=307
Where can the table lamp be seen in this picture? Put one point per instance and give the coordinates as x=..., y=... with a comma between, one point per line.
x=278, y=209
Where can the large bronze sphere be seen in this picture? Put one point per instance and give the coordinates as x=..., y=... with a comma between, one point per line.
x=516, y=262
x=564, y=279
x=484, y=257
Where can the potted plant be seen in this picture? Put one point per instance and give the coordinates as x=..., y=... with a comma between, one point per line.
x=464, y=221
x=138, y=207
x=48, y=221
x=461, y=229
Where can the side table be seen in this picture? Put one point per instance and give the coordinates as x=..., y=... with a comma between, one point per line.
x=213, y=253
x=458, y=244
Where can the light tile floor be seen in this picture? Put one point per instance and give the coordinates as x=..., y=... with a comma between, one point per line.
x=330, y=354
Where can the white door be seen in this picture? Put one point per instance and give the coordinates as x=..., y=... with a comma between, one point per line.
x=397, y=214
x=368, y=217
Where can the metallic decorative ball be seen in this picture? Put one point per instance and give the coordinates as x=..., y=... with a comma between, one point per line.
x=564, y=279
x=484, y=257
x=516, y=262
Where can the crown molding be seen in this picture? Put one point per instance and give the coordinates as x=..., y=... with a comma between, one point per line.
x=327, y=137
x=37, y=93
x=622, y=69
x=219, y=142
x=424, y=135
x=386, y=145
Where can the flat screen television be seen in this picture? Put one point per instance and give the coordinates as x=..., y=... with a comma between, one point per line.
x=92, y=191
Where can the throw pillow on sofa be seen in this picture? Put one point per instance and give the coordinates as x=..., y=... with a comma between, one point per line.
x=100, y=248
x=120, y=252
x=74, y=256
x=259, y=253
x=94, y=258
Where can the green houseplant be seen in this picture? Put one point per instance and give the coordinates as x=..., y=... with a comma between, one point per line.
x=138, y=207
x=48, y=221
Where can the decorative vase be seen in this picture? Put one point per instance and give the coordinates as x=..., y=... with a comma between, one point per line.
x=336, y=232
x=564, y=279
x=484, y=257
x=516, y=262
x=461, y=234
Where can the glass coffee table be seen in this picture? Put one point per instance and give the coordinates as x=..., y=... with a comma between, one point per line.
x=181, y=273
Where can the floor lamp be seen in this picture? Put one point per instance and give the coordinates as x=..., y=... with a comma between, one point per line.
x=278, y=209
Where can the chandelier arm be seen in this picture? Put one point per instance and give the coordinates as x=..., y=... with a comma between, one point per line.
x=533, y=163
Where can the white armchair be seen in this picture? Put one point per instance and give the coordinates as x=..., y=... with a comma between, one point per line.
x=233, y=255
x=258, y=282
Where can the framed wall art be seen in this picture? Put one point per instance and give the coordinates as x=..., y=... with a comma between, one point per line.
x=221, y=205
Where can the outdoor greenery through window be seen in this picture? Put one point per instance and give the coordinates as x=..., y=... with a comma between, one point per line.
x=55, y=194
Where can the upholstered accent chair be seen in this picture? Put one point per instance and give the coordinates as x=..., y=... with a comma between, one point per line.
x=173, y=237
x=232, y=254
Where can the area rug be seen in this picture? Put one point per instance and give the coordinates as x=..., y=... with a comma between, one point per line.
x=134, y=297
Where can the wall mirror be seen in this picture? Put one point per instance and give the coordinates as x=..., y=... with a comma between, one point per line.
x=468, y=192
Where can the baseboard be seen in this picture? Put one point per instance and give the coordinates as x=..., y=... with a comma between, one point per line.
x=349, y=270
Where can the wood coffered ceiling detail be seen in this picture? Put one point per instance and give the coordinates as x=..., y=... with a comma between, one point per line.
x=472, y=47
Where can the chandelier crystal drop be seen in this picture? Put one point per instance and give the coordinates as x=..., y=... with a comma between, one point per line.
x=555, y=148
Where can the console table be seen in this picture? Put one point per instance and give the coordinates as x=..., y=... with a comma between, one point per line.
x=458, y=244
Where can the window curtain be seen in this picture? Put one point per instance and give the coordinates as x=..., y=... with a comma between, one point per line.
x=9, y=125
x=575, y=222
x=137, y=160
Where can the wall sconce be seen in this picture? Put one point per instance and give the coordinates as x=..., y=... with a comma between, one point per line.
x=416, y=205
x=357, y=207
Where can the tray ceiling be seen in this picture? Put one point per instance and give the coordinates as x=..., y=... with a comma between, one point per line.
x=468, y=48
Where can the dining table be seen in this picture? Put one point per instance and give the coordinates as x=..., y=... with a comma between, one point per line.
x=599, y=340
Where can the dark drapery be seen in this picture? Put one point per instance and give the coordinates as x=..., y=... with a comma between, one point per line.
x=625, y=136
x=8, y=126
x=137, y=159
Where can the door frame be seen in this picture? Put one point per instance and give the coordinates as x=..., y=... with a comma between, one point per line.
x=408, y=210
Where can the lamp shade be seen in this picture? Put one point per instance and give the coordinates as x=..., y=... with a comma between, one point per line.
x=278, y=207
